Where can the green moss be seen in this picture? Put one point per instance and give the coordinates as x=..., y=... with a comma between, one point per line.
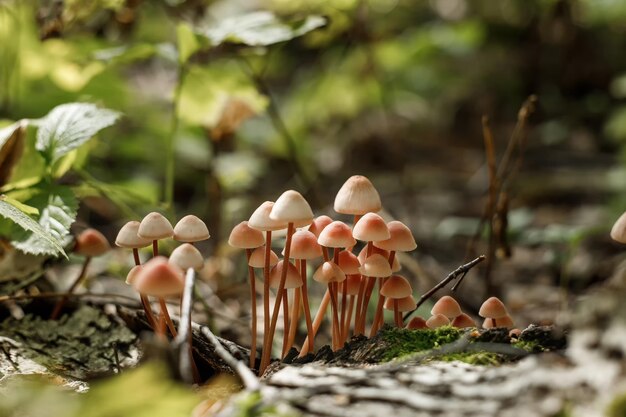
x=529, y=346
x=474, y=358
x=403, y=342
x=617, y=408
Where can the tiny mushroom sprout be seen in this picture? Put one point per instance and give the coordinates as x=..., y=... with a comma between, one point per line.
x=257, y=258
x=158, y=278
x=363, y=254
x=402, y=305
x=375, y=266
x=89, y=243
x=132, y=275
x=244, y=237
x=416, y=323
x=437, y=320
x=493, y=309
x=191, y=229
x=329, y=273
x=447, y=306
x=316, y=227
x=292, y=280
x=505, y=321
x=396, y=287
x=187, y=256
x=293, y=209
x=618, y=231
x=462, y=321
x=155, y=227
x=127, y=237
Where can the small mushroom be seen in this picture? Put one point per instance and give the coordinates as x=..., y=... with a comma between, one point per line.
x=155, y=227
x=187, y=256
x=463, y=321
x=329, y=273
x=437, y=320
x=416, y=323
x=447, y=306
x=127, y=237
x=191, y=229
x=396, y=287
x=493, y=309
x=401, y=305
x=505, y=321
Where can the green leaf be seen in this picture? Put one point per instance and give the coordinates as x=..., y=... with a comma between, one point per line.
x=260, y=29
x=187, y=42
x=38, y=232
x=58, y=207
x=68, y=126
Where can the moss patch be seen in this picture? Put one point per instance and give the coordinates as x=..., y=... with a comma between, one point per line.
x=475, y=358
x=401, y=342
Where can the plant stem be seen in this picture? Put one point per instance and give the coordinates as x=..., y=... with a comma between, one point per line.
x=59, y=305
x=253, y=331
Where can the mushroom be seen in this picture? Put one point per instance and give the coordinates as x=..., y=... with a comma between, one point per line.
x=437, y=320
x=329, y=273
x=396, y=287
x=447, y=306
x=292, y=280
x=375, y=266
x=462, y=321
x=416, y=323
x=316, y=227
x=357, y=196
x=127, y=237
x=618, y=231
x=401, y=305
x=89, y=243
x=187, y=256
x=257, y=258
x=505, y=321
x=155, y=227
x=493, y=309
x=396, y=267
x=191, y=229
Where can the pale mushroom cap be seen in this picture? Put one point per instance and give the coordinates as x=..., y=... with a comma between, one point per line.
x=396, y=286
x=376, y=266
x=304, y=246
x=336, y=235
x=187, y=256
x=329, y=272
x=404, y=304
x=191, y=229
x=260, y=219
x=257, y=258
x=293, y=280
x=618, y=231
x=319, y=223
x=349, y=263
x=462, y=321
x=492, y=308
x=354, y=282
x=357, y=196
x=245, y=237
x=155, y=226
x=416, y=323
x=370, y=227
x=505, y=321
x=291, y=207
x=401, y=239
x=447, y=306
x=396, y=263
x=127, y=237
x=91, y=242
x=132, y=274
x=437, y=321
x=158, y=278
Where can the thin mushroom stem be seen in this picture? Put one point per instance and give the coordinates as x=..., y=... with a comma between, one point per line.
x=317, y=322
x=160, y=329
x=145, y=301
x=285, y=322
x=166, y=317
x=253, y=330
x=266, y=291
x=335, y=320
x=396, y=313
x=155, y=248
x=59, y=305
x=335, y=327
x=371, y=281
x=346, y=324
x=295, y=317
x=360, y=297
x=136, y=256
x=307, y=309
x=493, y=322
x=378, y=318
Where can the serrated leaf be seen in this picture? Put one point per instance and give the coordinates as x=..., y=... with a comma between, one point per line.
x=70, y=125
x=259, y=29
x=12, y=213
x=58, y=209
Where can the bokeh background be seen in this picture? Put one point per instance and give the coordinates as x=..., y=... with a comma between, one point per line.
x=391, y=89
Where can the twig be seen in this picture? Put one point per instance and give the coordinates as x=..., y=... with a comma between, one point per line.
x=129, y=300
x=182, y=340
x=459, y=272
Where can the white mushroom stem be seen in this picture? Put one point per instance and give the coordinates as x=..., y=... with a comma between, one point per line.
x=317, y=322
x=253, y=330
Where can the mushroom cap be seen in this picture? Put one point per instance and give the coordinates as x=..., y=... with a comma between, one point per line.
x=155, y=226
x=505, y=321
x=396, y=263
x=329, y=272
x=291, y=207
x=462, y=321
x=404, y=304
x=319, y=223
x=357, y=196
x=447, y=306
x=304, y=246
x=376, y=266
x=127, y=237
x=354, y=283
x=618, y=231
x=260, y=219
x=437, y=320
x=245, y=237
x=515, y=333
x=187, y=256
x=348, y=262
x=396, y=286
x=401, y=239
x=132, y=274
x=91, y=242
x=158, y=278
x=293, y=280
x=257, y=258
x=416, y=323
x=493, y=308
x=336, y=235
x=191, y=229
x=371, y=227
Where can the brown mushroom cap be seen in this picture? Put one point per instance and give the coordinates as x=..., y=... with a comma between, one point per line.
x=257, y=258
x=319, y=223
x=447, y=306
x=396, y=264
x=396, y=286
x=357, y=196
x=304, y=246
x=400, y=239
x=328, y=272
x=91, y=242
x=515, y=333
x=293, y=280
x=132, y=274
x=376, y=266
x=245, y=237
x=187, y=256
x=155, y=226
x=348, y=262
x=493, y=308
x=127, y=237
x=371, y=227
x=354, y=282
x=618, y=231
x=437, y=321
x=336, y=235
x=505, y=321
x=291, y=207
x=462, y=321
x=191, y=229
x=404, y=304
x=260, y=219
x=158, y=278
x=416, y=323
